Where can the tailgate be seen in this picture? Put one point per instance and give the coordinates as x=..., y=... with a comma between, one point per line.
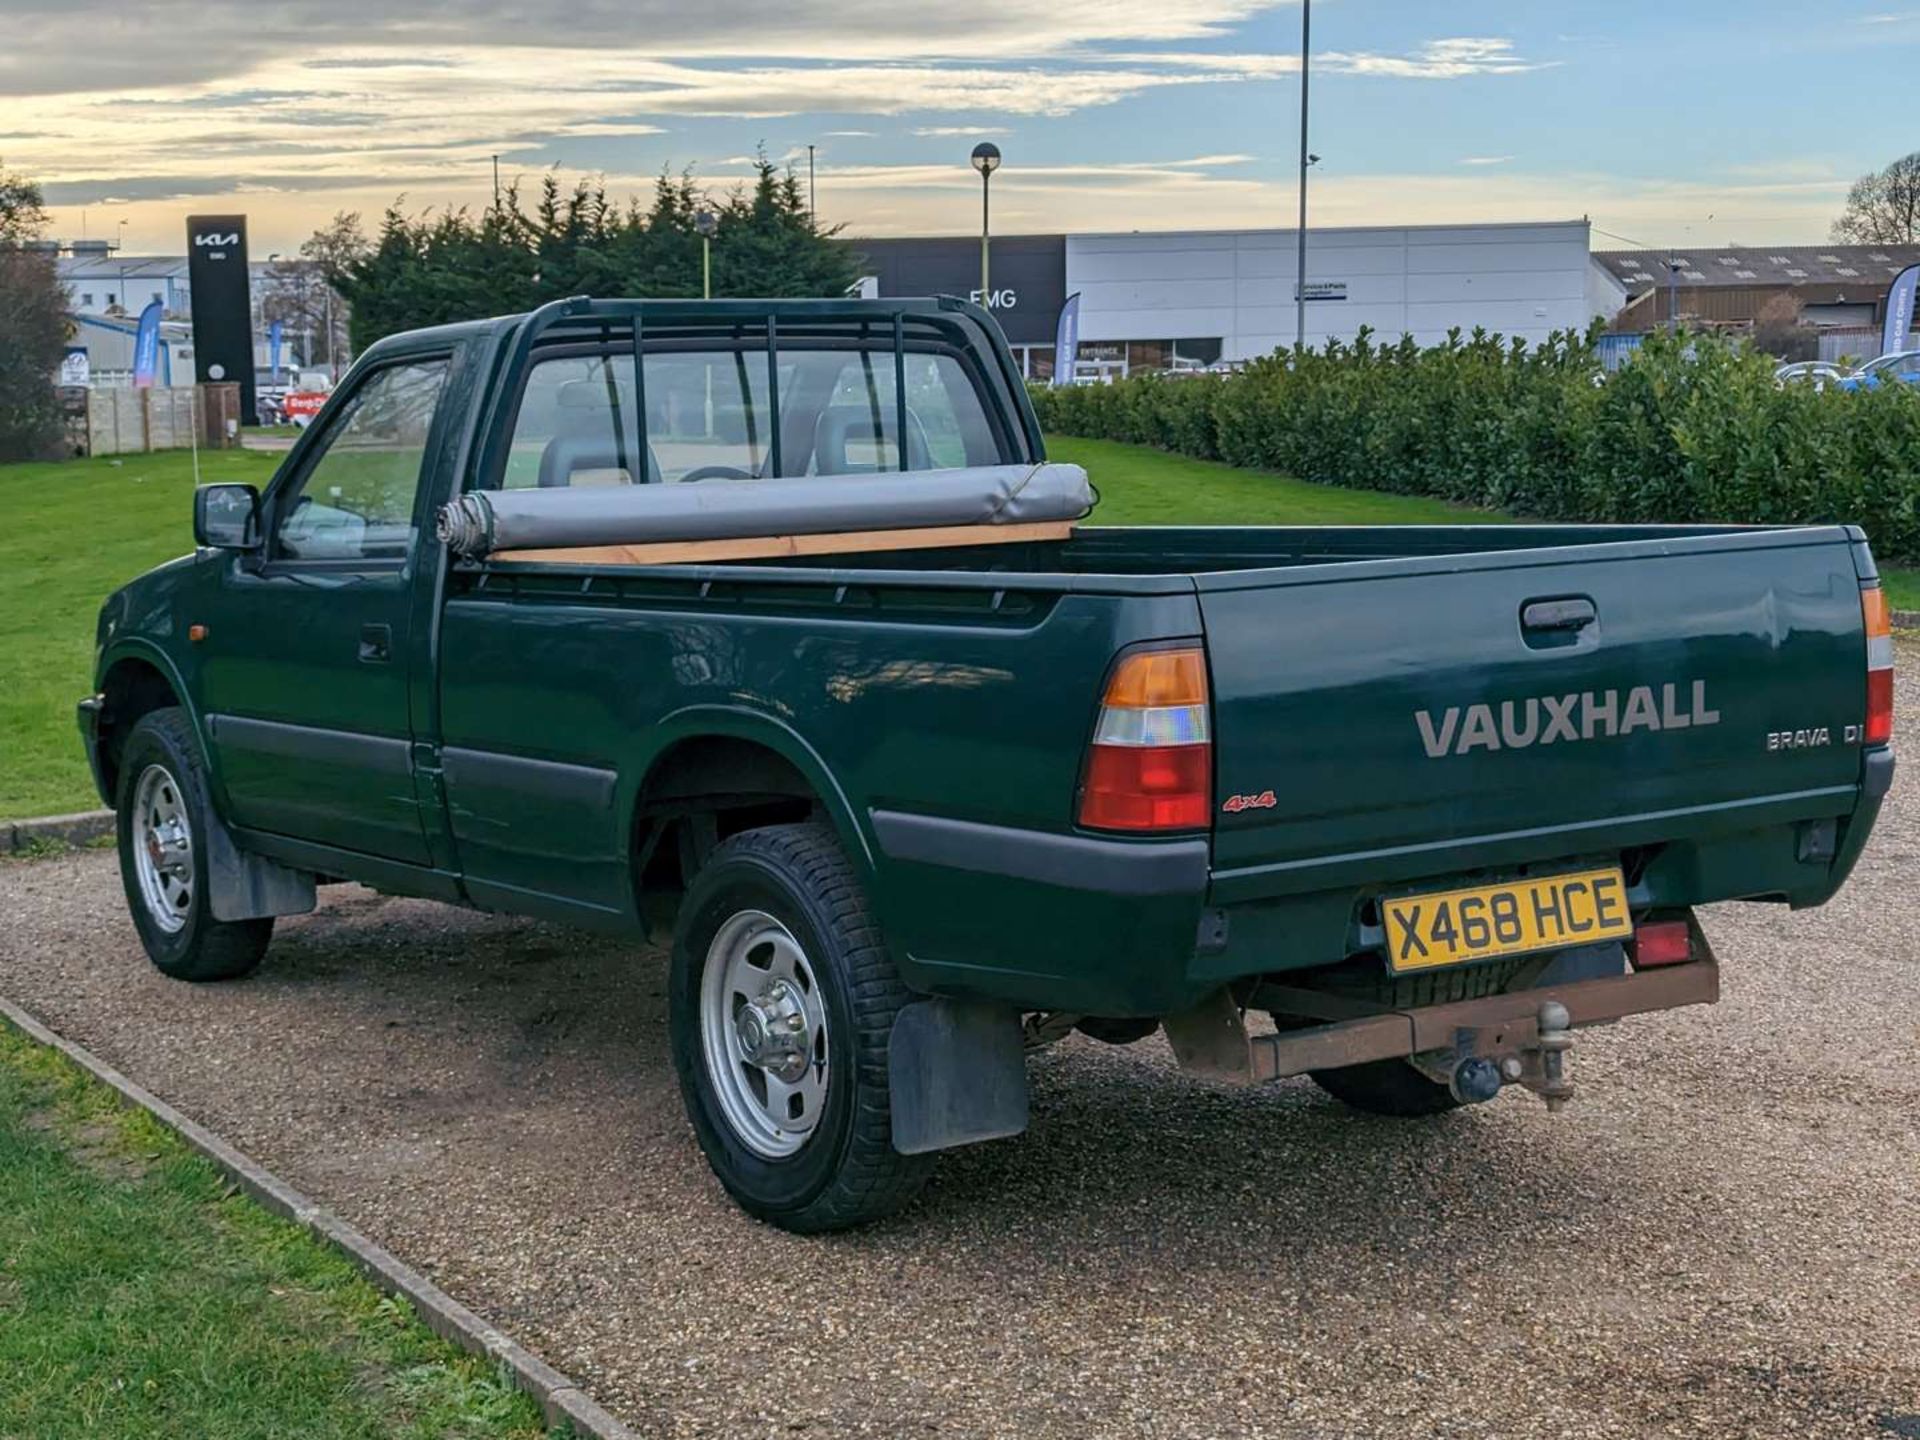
x=1395, y=719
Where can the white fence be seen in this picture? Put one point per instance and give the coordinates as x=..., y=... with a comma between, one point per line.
x=1860, y=342
x=124, y=422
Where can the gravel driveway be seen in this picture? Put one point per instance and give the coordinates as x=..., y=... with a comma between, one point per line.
x=1721, y=1236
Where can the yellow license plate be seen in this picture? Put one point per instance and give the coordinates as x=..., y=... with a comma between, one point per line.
x=1455, y=927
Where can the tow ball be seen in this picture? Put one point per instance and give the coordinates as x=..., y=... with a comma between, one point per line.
x=1480, y=1064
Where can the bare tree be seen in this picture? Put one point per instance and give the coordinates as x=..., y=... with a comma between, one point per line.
x=1883, y=208
x=303, y=294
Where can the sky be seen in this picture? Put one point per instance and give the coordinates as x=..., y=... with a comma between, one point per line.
x=1683, y=122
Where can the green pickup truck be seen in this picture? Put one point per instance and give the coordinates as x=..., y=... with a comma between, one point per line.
x=762, y=624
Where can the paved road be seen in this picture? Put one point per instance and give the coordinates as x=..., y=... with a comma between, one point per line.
x=1720, y=1237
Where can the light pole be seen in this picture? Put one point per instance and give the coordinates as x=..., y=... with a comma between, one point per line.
x=986, y=159
x=1300, y=296
x=813, y=207
x=706, y=222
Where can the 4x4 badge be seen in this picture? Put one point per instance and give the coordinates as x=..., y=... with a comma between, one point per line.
x=1263, y=801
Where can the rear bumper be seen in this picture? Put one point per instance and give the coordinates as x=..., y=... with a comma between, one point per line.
x=1497, y=1024
x=1040, y=919
x=1069, y=862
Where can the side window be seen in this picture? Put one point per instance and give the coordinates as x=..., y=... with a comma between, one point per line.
x=356, y=501
x=575, y=426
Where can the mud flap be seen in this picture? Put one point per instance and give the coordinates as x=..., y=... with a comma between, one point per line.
x=957, y=1072
x=245, y=886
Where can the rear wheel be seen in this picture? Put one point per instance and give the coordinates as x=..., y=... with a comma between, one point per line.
x=782, y=1000
x=163, y=820
x=1386, y=1087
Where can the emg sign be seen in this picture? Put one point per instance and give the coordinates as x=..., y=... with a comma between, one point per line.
x=1027, y=276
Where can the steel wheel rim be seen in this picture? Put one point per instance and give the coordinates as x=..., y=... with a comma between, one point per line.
x=763, y=1033
x=163, y=849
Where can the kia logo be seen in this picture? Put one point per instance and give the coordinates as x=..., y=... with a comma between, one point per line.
x=233, y=239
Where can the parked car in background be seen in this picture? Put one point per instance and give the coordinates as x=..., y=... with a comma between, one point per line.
x=1817, y=373
x=1903, y=365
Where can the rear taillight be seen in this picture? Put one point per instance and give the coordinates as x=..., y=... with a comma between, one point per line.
x=1150, y=766
x=1661, y=942
x=1879, y=618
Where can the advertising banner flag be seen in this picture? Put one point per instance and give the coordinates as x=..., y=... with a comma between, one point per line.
x=1900, y=296
x=146, y=346
x=273, y=350
x=1066, y=341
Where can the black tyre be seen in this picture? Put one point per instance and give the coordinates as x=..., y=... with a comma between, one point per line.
x=164, y=820
x=1386, y=1087
x=782, y=999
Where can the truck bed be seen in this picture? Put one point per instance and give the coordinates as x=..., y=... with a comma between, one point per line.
x=1380, y=714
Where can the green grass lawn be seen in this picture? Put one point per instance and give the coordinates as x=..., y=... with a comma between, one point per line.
x=1139, y=486
x=141, y=1296
x=71, y=533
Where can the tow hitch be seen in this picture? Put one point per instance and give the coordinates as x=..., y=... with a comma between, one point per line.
x=1474, y=1070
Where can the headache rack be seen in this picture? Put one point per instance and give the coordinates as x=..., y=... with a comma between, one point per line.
x=905, y=326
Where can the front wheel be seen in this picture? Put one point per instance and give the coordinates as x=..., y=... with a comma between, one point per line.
x=163, y=820
x=782, y=999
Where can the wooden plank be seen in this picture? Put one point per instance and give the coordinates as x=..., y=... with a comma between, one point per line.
x=772, y=547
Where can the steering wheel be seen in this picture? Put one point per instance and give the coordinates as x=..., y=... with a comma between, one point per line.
x=717, y=472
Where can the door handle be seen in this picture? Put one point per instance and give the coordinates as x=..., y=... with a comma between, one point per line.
x=1569, y=613
x=376, y=644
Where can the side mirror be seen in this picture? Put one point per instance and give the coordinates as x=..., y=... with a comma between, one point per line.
x=227, y=517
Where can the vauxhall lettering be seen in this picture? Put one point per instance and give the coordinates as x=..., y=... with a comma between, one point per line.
x=1559, y=719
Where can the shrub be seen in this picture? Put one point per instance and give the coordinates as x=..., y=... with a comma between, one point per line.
x=1692, y=428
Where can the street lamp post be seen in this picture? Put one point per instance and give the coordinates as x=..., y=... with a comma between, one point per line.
x=706, y=222
x=986, y=159
x=1300, y=295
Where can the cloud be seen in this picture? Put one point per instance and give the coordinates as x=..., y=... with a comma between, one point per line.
x=1455, y=59
x=421, y=126
x=55, y=46
x=1458, y=58
x=596, y=127
x=962, y=130
x=1485, y=159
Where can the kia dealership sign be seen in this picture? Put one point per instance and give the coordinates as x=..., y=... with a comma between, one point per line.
x=222, y=304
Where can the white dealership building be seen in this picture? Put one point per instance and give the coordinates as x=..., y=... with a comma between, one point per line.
x=1151, y=299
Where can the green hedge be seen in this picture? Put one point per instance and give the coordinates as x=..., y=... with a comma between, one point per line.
x=1691, y=428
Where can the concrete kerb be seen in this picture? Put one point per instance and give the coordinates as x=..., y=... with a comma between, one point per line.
x=1906, y=619
x=78, y=829
x=560, y=1398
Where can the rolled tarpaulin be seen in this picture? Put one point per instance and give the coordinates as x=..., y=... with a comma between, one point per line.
x=483, y=521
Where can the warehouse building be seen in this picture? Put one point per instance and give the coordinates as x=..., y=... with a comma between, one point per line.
x=1827, y=285
x=1187, y=299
